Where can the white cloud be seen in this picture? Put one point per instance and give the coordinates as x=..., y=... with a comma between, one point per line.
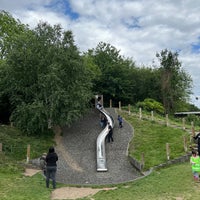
x=138, y=28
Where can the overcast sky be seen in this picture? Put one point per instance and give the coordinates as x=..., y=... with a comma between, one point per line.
x=138, y=28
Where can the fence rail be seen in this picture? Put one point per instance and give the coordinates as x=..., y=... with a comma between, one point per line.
x=16, y=150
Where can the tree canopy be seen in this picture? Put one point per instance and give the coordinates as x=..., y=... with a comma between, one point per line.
x=45, y=80
x=175, y=82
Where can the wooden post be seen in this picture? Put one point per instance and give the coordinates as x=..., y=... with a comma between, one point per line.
x=152, y=117
x=110, y=103
x=185, y=143
x=129, y=109
x=167, y=151
x=183, y=120
x=167, y=120
x=120, y=105
x=0, y=147
x=28, y=153
x=140, y=113
x=142, y=159
x=193, y=131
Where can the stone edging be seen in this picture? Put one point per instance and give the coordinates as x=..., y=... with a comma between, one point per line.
x=136, y=164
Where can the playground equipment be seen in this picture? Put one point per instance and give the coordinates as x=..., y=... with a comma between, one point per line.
x=101, y=153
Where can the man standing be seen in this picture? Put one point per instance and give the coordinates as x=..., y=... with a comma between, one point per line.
x=110, y=133
x=197, y=137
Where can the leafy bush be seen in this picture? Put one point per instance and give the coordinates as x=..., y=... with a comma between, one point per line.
x=151, y=105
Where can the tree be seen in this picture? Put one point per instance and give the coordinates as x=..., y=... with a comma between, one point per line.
x=175, y=82
x=46, y=79
x=145, y=83
x=9, y=30
x=114, y=81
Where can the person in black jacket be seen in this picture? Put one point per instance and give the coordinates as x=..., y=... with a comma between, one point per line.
x=110, y=133
x=51, y=167
x=197, y=137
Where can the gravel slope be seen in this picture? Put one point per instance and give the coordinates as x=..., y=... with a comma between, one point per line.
x=77, y=153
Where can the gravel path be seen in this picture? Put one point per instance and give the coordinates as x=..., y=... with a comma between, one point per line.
x=77, y=153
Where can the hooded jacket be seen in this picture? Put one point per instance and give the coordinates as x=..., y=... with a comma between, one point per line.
x=51, y=159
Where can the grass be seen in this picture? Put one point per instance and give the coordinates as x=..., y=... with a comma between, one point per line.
x=168, y=183
x=15, y=186
x=162, y=118
x=150, y=138
x=172, y=183
x=15, y=143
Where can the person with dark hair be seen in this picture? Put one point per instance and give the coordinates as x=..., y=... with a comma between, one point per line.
x=51, y=167
x=119, y=118
x=110, y=133
x=197, y=137
x=99, y=106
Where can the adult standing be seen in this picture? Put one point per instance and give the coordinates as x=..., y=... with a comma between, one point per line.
x=51, y=160
x=197, y=137
x=110, y=133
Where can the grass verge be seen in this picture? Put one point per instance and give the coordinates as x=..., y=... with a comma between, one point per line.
x=150, y=138
x=173, y=183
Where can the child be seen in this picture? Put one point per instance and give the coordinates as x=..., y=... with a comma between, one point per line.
x=195, y=161
x=120, y=121
x=43, y=163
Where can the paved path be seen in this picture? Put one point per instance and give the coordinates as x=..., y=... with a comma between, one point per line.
x=77, y=153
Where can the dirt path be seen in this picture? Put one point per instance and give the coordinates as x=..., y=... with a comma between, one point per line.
x=68, y=192
x=71, y=162
x=74, y=193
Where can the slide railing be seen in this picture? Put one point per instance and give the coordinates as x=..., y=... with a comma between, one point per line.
x=101, y=153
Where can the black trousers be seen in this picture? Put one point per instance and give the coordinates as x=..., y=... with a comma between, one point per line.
x=51, y=174
x=110, y=137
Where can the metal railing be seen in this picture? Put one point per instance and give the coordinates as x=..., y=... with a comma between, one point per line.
x=101, y=153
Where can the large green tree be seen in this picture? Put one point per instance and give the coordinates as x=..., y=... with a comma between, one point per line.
x=174, y=81
x=114, y=81
x=10, y=29
x=46, y=79
x=145, y=81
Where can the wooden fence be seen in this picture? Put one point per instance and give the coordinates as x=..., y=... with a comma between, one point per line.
x=165, y=121
x=12, y=149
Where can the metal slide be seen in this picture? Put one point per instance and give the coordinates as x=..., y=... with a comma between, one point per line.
x=101, y=153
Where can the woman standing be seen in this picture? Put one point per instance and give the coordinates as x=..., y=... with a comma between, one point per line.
x=51, y=168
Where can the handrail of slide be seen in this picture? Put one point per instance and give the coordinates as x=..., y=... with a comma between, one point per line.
x=101, y=153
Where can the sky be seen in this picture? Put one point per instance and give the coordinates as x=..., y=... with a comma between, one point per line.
x=138, y=28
